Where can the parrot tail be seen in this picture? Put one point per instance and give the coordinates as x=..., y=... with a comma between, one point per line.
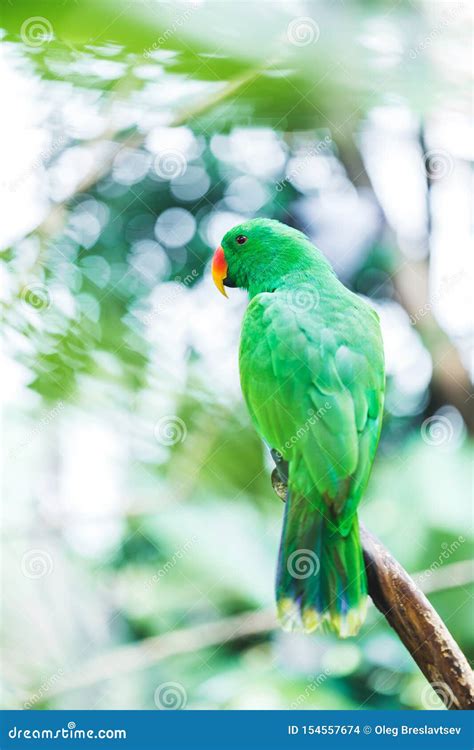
x=321, y=579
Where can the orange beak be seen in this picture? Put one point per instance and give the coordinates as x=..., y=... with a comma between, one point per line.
x=219, y=270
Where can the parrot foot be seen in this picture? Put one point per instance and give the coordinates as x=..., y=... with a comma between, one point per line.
x=281, y=465
x=280, y=487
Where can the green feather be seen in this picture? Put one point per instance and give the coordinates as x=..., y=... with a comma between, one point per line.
x=312, y=374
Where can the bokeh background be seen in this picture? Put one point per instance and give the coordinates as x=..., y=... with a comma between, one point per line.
x=139, y=527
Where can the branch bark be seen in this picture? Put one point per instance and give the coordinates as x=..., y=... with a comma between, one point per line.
x=418, y=625
x=416, y=622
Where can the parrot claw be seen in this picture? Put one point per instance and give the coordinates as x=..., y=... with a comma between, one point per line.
x=280, y=487
x=281, y=465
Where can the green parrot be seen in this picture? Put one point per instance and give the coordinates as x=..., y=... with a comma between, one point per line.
x=312, y=374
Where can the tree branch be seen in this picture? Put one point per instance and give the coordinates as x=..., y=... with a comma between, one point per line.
x=417, y=624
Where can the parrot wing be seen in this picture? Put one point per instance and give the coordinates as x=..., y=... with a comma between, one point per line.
x=313, y=380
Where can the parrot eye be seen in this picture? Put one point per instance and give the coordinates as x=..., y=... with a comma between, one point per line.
x=241, y=239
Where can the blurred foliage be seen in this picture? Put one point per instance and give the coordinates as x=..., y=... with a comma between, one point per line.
x=134, y=476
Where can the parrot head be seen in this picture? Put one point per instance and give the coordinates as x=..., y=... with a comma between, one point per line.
x=258, y=254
